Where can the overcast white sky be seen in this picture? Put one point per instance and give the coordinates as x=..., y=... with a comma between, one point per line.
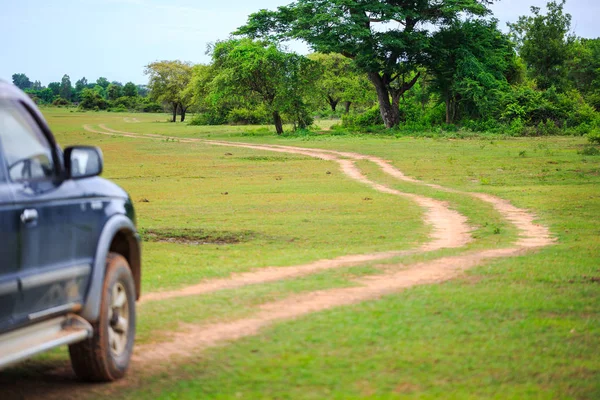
x=46, y=39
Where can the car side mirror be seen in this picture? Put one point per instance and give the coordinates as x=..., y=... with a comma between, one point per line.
x=83, y=162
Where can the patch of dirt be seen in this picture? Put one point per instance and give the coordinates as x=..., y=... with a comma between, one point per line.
x=196, y=236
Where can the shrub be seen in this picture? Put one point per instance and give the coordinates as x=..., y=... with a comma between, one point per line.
x=59, y=101
x=594, y=137
x=369, y=118
x=245, y=116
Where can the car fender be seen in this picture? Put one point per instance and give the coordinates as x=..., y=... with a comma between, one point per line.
x=117, y=223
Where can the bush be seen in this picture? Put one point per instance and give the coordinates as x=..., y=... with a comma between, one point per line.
x=208, y=118
x=245, y=116
x=594, y=137
x=59, y=101
x=369, y=118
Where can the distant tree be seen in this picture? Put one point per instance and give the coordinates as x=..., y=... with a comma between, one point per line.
x=21, y=81
x=584, y=69
x=469, y=62
x=389, y=56
x=100, y=90
x=543, y=41
x=81, y=84
x=46, y=95
x=37, y=85
x=113, y=92
x=65, y=88
x=339, y=81
x=102, y=82
x=280, y=81
x=55, y=87
x=130, y=90
x=142, y=90
x=168, y=81
x=91, y=100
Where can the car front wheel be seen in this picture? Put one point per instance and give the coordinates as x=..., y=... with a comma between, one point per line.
x=106, y=355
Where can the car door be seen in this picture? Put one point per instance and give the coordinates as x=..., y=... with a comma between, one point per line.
x=9, y=251
x=53, y=274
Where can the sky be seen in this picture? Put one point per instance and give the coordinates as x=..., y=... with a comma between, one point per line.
x=46, y=39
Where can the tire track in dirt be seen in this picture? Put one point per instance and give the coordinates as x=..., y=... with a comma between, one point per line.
x=450, y=230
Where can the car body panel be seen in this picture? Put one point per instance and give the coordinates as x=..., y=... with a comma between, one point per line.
x=58, y=234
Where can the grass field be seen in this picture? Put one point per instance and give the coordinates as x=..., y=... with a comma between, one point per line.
x=518, y=327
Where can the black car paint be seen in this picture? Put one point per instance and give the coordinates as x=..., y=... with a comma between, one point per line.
x=46, y=264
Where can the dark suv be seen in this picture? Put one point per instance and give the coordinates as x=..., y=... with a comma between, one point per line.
x=69, y=251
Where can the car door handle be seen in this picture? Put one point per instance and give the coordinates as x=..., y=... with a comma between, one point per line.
x=29, y=215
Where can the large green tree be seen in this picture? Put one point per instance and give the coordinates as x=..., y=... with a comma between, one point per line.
x=470, y=63
x=385, y=38
x=261, y=71
x=544, y=43
x=168, y=81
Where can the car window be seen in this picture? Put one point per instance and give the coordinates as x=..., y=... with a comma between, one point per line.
x=27, y=153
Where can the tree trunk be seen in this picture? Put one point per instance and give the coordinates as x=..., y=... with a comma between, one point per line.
x=332, y=103
x=347, y=106
x=175, y=111
x=278, y=123
x=182, y=110
x=448, y=117
x=389, y=114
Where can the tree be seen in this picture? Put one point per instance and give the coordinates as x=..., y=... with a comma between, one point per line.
x=469, y=62
x=65, y=88
x=102, y=82
x=81, y=84
x=46, y=95
x=259, y=70
x=55, y=87
x=543, y=41
x=21, y=81
x=584, y=69
x=113, y=92
x=168, y=81
x=92, y=100
x=361, y=30
x=339, y=80
x=130, y=90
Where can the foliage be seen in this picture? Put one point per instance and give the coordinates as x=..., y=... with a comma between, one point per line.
x=113, y=91
x=92, y=100
x=21, y=81
x=594, y=137
x=339, y=81
x=469, y=62
x=263, y=73
x=65, y=88
x=59, y=101
x=351, y=28
x=130, y=90
x=168, y=81
x=544, y=44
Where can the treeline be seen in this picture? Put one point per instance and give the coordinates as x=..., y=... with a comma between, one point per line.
x=438, y=70
x=99, y=95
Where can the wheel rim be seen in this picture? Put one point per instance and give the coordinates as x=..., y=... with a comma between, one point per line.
x=118, y=318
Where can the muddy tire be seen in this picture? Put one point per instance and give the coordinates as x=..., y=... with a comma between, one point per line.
x=105, y=356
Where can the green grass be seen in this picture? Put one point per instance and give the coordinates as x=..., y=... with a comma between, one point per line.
x=521, y=327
